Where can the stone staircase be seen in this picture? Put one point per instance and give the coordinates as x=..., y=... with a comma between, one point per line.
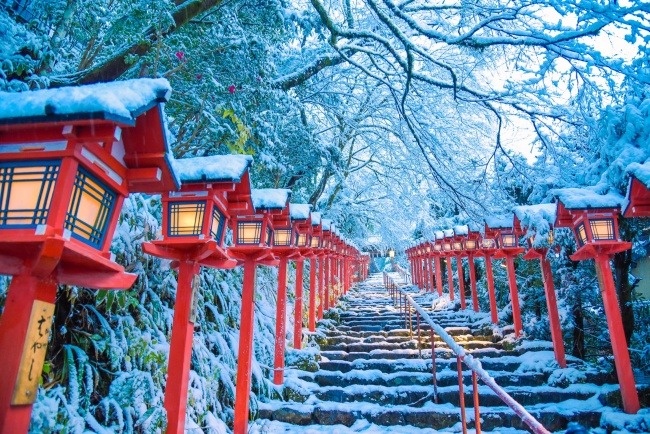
x=374, y=375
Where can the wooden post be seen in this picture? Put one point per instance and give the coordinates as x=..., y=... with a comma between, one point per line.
x=491, y=293
x=617, y=336
x=297, y=307
x=431, y=273
x=461, y=282
x=180, y=348
x=472, y=279
x=280, y=322
x=27, y=296
x=245, y=356
x=438, y=275
x=312, y=294
x=450, y=276
x=514, y=295
x=326, y=266
x=553, y=315
x=321, y=286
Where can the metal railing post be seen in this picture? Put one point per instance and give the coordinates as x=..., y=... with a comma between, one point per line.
x=461, y=394
x=477, y=410
x=433, y=366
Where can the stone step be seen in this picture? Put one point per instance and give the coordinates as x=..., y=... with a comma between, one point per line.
x=446, y=377
x=407, y=344
x=430, y=417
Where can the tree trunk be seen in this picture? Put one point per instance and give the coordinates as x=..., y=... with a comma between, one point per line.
x=578, y=328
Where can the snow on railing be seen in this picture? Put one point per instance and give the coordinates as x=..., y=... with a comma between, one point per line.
x=403, y=273
x=473, y=364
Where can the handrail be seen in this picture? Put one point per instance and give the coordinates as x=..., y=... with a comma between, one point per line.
x=402, y=272
x=473, y=364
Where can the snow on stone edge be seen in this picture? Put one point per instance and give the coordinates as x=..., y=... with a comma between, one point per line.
x=120, y=98
x=212, y=169
x=449, y=233
x=461, y=230
x=327, y=224
x=315, y=218
x=270, y=198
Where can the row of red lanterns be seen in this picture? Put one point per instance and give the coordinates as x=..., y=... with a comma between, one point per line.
x=68, y=159
x=593, y=219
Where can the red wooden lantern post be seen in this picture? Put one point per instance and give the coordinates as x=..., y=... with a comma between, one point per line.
x=410, y=261
x=488, y=249
x=193, y=230
x=284, y=240
x=508, y=242
x=301, y=215
x=437, y=253
x=539, y=240
x=65, y=169
x=593, y=218
x=447, y=250
x=426, y=251
x=460, y=233
x=253, y=239
x=432, y=272
x=327, y=259
x=315, y=275
x=471, y=245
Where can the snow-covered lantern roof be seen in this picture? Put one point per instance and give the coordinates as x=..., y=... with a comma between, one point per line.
x=301, y=217
x=326, y=242
x=460, y=237
x=254, y=231
x=198, y=214
x=638, y=190
x=593, y=218
x=438, y=237
x=68, y=158
x=501, y=228
x=448, y=238
x=536, y=222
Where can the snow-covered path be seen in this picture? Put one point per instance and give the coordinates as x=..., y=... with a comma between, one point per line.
x=373, y=378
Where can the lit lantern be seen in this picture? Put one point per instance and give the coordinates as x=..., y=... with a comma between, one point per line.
x=460, y=237
x=301, y=218
x=447, y=247
x=327, y=259
x=65, y=169
x=193, y=231
x=593, y=218
x=253, y=240
x=471, y=244
x=316, y=277
x=502, y=229
x=391, y=253
x=544, y=216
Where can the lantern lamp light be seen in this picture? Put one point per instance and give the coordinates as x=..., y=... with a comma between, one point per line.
x=282, y=237
x=249, y=232
x=186, y=218
x=315, y=242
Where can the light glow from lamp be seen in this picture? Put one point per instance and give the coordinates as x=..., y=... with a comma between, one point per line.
x=249, y=232
x=282, y=237
x=509, y=240
x=602, y=229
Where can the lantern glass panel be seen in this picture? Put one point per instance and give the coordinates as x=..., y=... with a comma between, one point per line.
x=282, y=237
x=90, y=209
x=602, y=229
x=437, y=247
x=302, y=240
x=458, y=246
x=581, y=234
x=447, y=247
x=470, y=244
x=509, y=240
x=26, y=192
x=315, y=242
x=488, y=243
x=218, y=223
x=249, y=232
x=186, y=218
x=428, y=249
x=391, y=254
x=269, y=236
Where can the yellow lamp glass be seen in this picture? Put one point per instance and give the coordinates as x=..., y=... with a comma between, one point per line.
x=447, y=247
x=428, y=249
x=470, y=244
x=391, y=254
x=458, y=246
x=437, y=247
x=302, y=240
x=315, y=242
x=602, y=229
x=488, y=243
x=509, y=240
x=581, y=234
x=186, y=218
x=217, y=225
x=90, y=209
x=249, y=232
x=282, y=237
x=26, y=193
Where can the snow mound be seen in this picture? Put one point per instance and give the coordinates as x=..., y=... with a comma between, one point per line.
x=299, y=211
x=582, y=198
x=270, y=198
x=212, y=169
